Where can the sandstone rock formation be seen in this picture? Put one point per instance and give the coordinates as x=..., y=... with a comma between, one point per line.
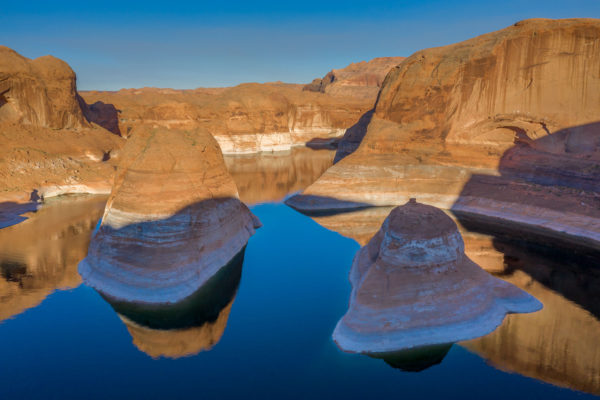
x=173, y=219
x=503, y=125
x=269, y=177
x=40, y=255
x=528, y=344
x=40, y=92
x=188, y=327
x=414, y=286
x=358, y=80
x=48, y=146
x=250, y=117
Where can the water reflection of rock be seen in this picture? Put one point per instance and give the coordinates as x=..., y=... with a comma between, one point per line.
x=558, y=344
x=186, y=328
x=413, y=285
x=417, y=359
x=266, y=177
x=40, y=254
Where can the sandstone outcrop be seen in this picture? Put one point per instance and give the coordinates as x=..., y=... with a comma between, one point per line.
x=358, y=80
x=188, y=327
x=504, y=125
x=40, y=255
x=414, y=286
x=48, y=146
x=250, y=117
x=40, y=92
x=173, y=219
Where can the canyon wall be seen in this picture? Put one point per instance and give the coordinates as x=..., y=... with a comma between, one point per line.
x=505, y=125
x=250, y=117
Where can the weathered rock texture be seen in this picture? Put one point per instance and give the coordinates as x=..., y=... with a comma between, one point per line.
x=269, y=177
x=529, y=344
x=40, y=92
x=412, y=285
x=250, y=117
x=173, y=219
x=40, y=255
x=503, y=125
x=358, y=80
x=48, y=147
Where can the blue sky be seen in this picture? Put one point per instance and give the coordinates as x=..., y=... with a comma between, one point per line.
x=115, y=44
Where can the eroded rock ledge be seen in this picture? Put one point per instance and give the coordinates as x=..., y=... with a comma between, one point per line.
x=413, y=285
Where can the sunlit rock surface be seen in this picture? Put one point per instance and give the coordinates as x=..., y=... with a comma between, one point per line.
x=187, y=327
x=529, y=344
x=504, y=126
x=267, y=177
x=414, y=286
x=172, y=221
x=48, y=146
x=40, y=254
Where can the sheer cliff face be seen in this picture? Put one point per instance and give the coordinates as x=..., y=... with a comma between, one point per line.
x=505, y=125
x=40, y=92
x=521, y=83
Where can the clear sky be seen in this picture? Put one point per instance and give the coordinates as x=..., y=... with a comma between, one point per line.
x=115, y=44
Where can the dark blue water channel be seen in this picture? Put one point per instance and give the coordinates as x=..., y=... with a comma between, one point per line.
x=70, y=343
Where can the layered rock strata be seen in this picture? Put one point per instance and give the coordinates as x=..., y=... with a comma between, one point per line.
x=48, y=146
x=504, y=125
x=250, y=117
x=173, y=219
x=414, y=286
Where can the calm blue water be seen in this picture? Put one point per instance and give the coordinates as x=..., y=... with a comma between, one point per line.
x=277, y=342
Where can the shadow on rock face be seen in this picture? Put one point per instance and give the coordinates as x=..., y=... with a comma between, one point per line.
x=417, y=359
x=188, y=327
x=203, y=306
x=103, y=114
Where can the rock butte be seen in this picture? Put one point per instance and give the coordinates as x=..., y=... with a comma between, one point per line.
x=529, y=344
x=251, y=117
x=412, y=285
x=47, y=143
x=491, y=127
x=173, y=219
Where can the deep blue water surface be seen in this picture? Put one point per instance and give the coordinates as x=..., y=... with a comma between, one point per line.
x=277, y=342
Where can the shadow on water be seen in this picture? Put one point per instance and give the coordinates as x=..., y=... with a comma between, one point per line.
x=203, y=306
x=417, y=359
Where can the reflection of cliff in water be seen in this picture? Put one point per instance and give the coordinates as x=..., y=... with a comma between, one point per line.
x=188, y=327
x=558, y=344
x=267, y=177
x=40, y=254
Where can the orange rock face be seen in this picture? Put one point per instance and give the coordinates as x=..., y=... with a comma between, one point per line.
x=363, y=79
x=507, y=121
x=48, y=146
x=38, y=92
x=250, y=117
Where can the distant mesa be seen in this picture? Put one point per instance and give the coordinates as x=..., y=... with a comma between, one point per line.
x=412, y=286
x=172, y=221
x=361, y=80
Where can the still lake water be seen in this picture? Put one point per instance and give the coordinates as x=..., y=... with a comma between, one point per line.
x=61, y=339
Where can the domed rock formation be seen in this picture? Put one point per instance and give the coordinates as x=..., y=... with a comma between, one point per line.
x=414, y=286
x=172, y=221
x=38, y=92
x=502, y=125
